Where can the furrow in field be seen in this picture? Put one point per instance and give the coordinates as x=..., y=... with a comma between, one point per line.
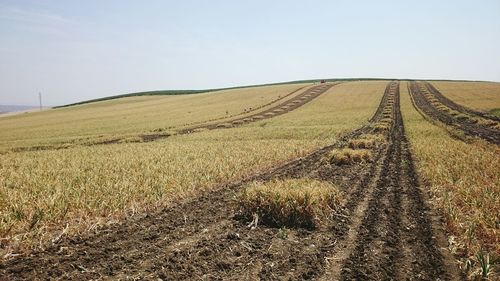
x=421, y=97
x=363, y=197
x=260, y=253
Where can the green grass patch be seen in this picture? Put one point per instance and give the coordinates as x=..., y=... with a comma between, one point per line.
x=495, y=111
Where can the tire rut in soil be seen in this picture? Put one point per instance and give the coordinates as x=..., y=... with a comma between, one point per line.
x=428, y=110
x=255, y=109
x=391, y=234
x=245, y=253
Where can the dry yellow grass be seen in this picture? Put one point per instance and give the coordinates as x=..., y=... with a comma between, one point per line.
x=46, y=190
x=342, y=107
x=381, y=127
x=464, y=181
x=478, y=95
x=347, y=156
x=294, y=202
x=131, y=116
x=365, y=141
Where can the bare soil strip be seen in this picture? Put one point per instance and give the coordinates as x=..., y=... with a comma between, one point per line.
x=279, y=109
x=460, y=108
x=395, y=238
x=465, y=125
x=386, y=231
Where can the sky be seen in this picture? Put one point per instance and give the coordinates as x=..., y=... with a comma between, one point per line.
x=78, y=50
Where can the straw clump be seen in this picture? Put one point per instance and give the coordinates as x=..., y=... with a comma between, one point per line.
x=303, y=203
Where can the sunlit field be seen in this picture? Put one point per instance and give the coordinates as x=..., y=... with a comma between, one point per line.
x=75, y=185
x=132, y=116
x=476, y=95
x=47, y=190
x=463, y=178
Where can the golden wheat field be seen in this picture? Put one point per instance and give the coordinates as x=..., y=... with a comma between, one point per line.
x=482, y=96
x=132, y=116
x=336, y=176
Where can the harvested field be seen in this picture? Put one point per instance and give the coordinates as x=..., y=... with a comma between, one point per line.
x=276, y=110
x=464, y=182
x=460, y=108
x=82, y=186
x=291, y=104
x=205, y=237
x=479, y=96
x=422, y=98
x=394, y=236
x=227, y=140
x=108, y=121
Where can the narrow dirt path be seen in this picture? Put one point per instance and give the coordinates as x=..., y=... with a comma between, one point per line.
x=460, y=108
x=385, y=232
x=468, y=126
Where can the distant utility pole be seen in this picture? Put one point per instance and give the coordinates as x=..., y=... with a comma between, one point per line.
x=40, y=98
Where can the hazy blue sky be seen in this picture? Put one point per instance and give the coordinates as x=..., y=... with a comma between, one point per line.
x=77, y=50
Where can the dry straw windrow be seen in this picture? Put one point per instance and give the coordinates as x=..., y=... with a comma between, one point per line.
x=367, y=141
x=347, y=156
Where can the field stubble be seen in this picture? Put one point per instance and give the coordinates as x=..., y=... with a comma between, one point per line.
x=79, y=187
x=477, y=95
x=129, y=117
x=394, y=241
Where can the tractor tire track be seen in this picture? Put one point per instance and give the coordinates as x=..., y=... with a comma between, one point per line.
x=301, y=256
x=392, y=235
x=364, y=223
x=468, y=127
x=254, y=109
x=151, y=245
